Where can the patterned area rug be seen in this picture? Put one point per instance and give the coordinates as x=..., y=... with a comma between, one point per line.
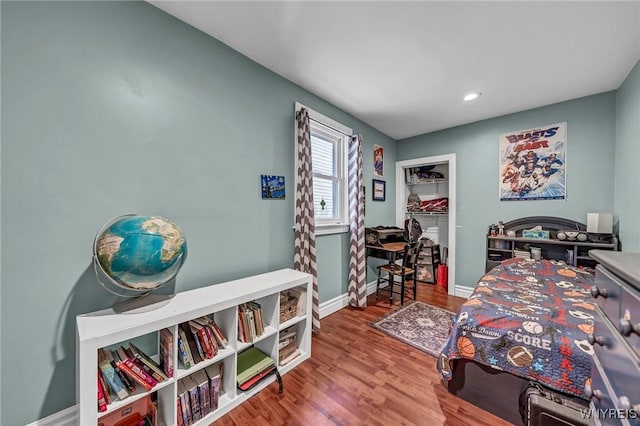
x=418, y=324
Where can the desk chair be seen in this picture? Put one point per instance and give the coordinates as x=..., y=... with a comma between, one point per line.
x=405, y=270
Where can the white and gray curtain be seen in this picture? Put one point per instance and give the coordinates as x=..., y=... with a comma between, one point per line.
x=357, y=286
x=304, y=258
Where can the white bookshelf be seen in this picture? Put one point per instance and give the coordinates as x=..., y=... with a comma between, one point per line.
x=106, y=328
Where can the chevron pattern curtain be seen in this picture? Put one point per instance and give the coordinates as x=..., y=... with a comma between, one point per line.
x=357, y=286
x=304, y=258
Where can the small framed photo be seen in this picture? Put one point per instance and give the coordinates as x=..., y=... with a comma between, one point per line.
x=379, y=190
x=272, y=187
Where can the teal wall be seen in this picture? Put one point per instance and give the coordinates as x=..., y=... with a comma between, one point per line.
x=116, y=107
x=627, y=177
x=589, y=168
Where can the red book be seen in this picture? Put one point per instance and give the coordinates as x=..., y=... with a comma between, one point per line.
x=203, y=337
x=212, y=339
x=102, y=404
x=105, y=388
x=133, y=371
x=255, y=379
x=222, y=340
x=179, y=407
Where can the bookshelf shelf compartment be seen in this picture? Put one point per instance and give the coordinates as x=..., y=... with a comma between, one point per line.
x=222, y=354
x=106, y=328
x=291, y=322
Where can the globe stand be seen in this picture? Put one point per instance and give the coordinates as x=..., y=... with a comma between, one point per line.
x=140, y=304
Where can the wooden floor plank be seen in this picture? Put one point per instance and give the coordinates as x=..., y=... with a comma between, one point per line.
x=358, y=375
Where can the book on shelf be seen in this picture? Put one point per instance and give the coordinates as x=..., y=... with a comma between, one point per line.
x=166, y=351
x=128, y=383
x=215, y=373
x=192, y=336
x=110, y=375
x=256, y=379
x=194, y=397
x=179, y=412
x=183, y=394
x=191, y=342
x=242, y=336
x=256, y=308
x=184, y=353
x=207, y=341
x=221, y=339
x=148, y=361
x=143, y=366
x=250, y=362
x=132, y=370
x=251, y=322
x=202, y=381
x=102, y=402
x=205, y=324
x=105, y=389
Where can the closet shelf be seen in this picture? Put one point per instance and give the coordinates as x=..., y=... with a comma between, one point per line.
x=427, y=213
x=427, y=181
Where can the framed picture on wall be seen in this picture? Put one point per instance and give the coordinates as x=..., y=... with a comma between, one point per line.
x=272, y=187
x=532, y=164
x=378, y=161
x=379, y=190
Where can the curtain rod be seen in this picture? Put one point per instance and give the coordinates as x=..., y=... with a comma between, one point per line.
x=332, y=128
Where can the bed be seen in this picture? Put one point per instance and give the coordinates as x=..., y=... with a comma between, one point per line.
x=526, y=321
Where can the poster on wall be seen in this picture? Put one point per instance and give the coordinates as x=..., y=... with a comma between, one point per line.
x=378, y=160
x=532, y=164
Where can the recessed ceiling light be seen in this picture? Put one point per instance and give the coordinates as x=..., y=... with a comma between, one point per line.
x=471, y=96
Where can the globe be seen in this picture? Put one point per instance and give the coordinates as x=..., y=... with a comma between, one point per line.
x=139, y=253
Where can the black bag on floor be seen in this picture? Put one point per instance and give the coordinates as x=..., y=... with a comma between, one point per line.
x=543, y=407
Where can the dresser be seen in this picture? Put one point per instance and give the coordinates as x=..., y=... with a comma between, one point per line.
x=615, y=372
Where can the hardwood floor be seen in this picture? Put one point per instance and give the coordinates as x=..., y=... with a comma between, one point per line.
x=359, y=376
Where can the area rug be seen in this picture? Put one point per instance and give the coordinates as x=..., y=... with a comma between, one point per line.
x=418, y=324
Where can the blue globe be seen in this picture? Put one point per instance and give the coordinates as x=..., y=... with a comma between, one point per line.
x=140, y=253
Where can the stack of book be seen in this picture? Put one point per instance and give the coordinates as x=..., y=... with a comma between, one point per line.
x=121, y=371
x=253, y=366
x=287, y=345
x=250, y=321
x=198, y=394
x=199, y=339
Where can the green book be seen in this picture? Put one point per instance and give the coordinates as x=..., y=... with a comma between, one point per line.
x=251, y=362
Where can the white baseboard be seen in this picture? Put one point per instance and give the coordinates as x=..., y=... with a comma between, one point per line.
x=339, y=302
x=66, y=417
x=463, y=291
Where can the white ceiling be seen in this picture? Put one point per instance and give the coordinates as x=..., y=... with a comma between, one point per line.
x=403, y=67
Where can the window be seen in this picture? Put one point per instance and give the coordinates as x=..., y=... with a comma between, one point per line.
x=329, y=143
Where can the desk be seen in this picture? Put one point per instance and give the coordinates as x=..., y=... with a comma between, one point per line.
x=387, y=251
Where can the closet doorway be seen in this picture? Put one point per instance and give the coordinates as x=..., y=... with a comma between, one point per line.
x=431, y=182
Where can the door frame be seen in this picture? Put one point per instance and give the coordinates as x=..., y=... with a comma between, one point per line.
x=401, y=199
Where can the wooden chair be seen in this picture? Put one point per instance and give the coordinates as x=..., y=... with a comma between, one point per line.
x=406, y=271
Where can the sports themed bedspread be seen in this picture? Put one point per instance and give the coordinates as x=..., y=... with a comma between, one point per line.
x=529, y=318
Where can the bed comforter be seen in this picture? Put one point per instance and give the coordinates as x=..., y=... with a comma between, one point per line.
x=531, y=319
